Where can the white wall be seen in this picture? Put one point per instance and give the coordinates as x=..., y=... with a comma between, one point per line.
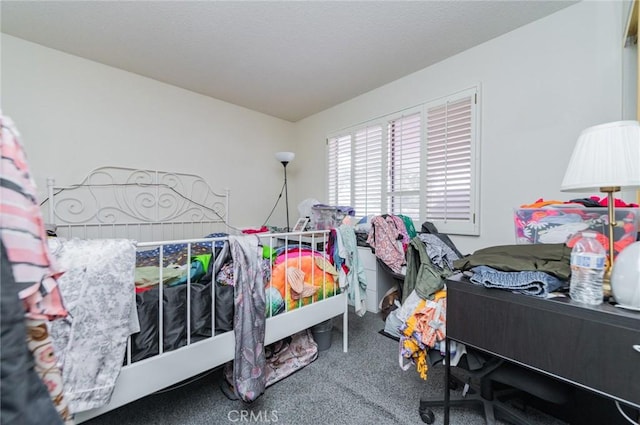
x=76, y=115
x=541, y=85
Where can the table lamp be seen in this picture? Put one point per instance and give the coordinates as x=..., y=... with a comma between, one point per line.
x=606, y=158
x=285, y=158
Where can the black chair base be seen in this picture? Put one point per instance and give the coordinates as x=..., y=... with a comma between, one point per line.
x=492, y=409
x=500, y=384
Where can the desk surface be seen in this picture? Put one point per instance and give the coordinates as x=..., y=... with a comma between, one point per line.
x=594, y=347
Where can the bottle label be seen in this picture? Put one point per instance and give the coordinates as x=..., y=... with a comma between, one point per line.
x=588, y=260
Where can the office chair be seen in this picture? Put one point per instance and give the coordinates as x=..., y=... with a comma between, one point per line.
x=493, y=385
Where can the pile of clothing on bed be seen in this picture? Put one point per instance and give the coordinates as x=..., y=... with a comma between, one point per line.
x=293, y=276
x=206, y=262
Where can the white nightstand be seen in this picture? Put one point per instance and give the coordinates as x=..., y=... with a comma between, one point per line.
x=378, y=281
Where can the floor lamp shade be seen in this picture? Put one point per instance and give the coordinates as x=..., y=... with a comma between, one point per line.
x=285, y=156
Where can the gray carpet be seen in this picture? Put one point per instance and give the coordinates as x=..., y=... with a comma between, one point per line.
x=364, y=386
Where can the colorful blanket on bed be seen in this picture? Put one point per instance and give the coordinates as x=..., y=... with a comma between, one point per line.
x=303, y=276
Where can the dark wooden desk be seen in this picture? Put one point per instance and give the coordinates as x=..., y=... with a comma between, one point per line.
x=596, y=348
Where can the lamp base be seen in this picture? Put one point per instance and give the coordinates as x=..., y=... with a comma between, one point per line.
x=607, y=293
x=606, y=281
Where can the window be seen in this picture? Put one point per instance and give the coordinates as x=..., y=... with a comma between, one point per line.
x=420, y=162
x=403, y=191
x=450, y=174
x=354, y=164
x=367, y=166
x=339, y=178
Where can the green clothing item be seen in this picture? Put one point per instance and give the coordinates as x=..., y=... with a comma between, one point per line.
x=268, y=252
x=422, y=274
x=204, y=259
x=408, y=223
x=550, y=258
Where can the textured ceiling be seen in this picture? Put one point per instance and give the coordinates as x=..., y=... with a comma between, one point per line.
x=288, y=59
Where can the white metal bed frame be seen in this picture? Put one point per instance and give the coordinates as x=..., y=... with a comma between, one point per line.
x=151, y=207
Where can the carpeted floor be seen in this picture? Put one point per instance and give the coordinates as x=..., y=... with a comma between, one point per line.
x=364, y=386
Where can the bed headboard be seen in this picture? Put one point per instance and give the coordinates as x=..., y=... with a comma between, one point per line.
x=145, y=205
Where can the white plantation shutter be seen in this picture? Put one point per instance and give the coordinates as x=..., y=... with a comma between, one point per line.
x=421, y=162
x=339, y=170
x=403, y=182
x=367, y=171
x=451, y=171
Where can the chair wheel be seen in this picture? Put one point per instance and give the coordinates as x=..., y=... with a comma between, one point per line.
x=427, y=416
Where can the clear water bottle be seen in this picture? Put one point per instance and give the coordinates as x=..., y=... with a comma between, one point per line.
x=588, y=259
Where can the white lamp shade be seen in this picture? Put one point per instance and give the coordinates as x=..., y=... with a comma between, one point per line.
x=285, y=156
x=625, y=277
x=606, y=155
